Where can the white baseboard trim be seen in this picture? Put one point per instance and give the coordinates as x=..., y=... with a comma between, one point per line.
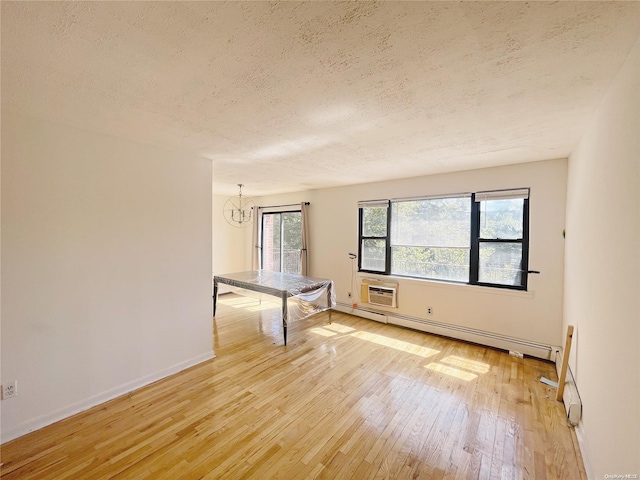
x=584, y=451
x=75, y=408
x=579, y=428
x=369, y=315
x=490, y=339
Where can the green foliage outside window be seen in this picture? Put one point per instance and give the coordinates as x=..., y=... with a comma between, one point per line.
x=432, y=238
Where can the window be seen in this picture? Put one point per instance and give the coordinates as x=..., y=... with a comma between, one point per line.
x=374, y=238
x=480, y=239
x=430, y=238
x=281, y=241
x=501, y=250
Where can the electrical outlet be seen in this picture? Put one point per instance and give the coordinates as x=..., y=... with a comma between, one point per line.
x=429, y=311
x=516, y=354
x=9, y=390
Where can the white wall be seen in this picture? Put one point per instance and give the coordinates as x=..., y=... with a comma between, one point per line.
x=228, y=255
x=106, y=268
x=535, y=315
x=602, y=288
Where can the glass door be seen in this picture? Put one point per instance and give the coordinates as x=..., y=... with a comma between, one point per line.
x=282, y=241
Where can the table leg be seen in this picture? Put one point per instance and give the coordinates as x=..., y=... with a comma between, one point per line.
x=329, y=301
x=215, y=296
x=284, y=318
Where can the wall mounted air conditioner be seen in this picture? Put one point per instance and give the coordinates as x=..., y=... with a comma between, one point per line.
x=384, y=296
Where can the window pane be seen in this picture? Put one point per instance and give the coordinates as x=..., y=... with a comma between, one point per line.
x=271, y=241
x=373, y=255
x=500, y=263
x=442, y=222
x=501, y=219
x=291, y=242
x=374, y=222
x=292, y=239
x=435, y=263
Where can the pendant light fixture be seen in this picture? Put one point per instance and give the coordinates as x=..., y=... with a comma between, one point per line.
x=238, y=211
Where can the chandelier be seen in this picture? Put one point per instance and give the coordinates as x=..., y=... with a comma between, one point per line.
x=238, y=210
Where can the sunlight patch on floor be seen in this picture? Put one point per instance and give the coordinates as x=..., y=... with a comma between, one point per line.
x=396, y=344
x=251, y=304
x=235, y=301
x=336, y=327
x=453, y=372
x=452, y=365
x=466, y=364
x=322, y=331
x=263, y=306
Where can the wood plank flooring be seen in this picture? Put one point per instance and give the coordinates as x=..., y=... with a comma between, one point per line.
x=353, y=399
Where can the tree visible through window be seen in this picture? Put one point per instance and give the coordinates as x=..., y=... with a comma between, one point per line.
x=430, y=238
x=502, y=241
x=480, y=238
x=374, y=240
x=282, y=241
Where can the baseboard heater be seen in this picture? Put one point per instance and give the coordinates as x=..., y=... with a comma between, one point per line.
x=503, y=342
x=570, y=397
x=361, y=312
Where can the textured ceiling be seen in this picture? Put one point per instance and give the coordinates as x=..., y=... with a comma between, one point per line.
x=291, y=96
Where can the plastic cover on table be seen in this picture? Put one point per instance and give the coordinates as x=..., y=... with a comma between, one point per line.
x=306, y=296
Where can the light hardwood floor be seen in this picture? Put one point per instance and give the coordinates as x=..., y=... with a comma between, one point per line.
x=353, y=399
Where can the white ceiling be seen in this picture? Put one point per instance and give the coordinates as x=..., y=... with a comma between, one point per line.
x=300, y=95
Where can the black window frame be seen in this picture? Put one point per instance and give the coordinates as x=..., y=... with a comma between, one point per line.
x=475, y=241
x=386, y=238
